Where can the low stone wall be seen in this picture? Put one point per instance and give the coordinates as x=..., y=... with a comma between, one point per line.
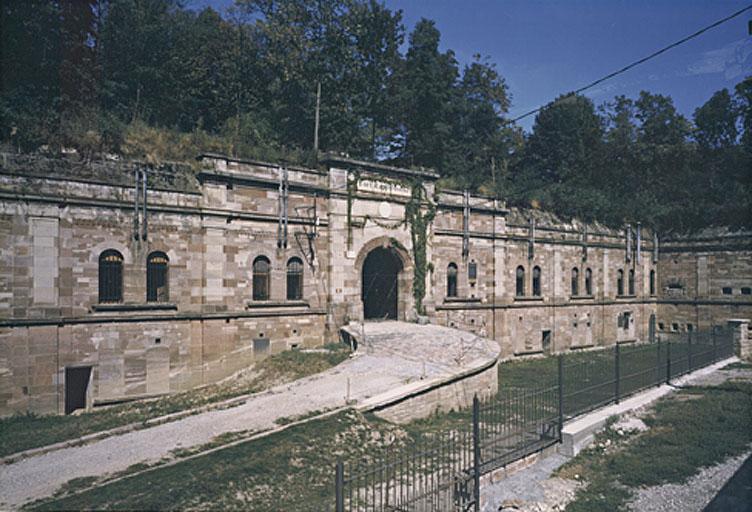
x=441, y=396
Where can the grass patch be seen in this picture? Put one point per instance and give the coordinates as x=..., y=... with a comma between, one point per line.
x=289, y=470
x=738, y=365
x=697, y=428
x=26, y=431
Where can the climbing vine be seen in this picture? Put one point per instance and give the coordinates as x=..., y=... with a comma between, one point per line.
x=352, y=185
x=419, y=222
x=419, y=214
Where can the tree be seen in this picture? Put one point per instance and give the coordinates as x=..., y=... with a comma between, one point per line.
x=716, y=122
x=425, y=94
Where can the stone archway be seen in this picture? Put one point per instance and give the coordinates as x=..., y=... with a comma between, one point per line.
x=380, y=285
x=386, y=272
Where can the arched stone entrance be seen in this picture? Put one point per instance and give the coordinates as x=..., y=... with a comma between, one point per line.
x=380, y=284
x=386, y=274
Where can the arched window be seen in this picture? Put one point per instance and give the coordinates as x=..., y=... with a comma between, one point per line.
x=294, y=279
x=520, y=288
x=157, y=277
x=631, y=282
x=589, y=282
x=620, y=282
x=575, y=281
x=652, y=282
x=536, y=281
x=110, y=276
x=451, y=280
x=261, y=274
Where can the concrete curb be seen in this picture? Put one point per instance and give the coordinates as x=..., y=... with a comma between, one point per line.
x=578, y=433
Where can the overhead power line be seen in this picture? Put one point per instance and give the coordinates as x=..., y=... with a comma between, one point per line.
x=644, y=59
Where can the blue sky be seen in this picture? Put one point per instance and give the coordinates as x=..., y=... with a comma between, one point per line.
x=544, y=48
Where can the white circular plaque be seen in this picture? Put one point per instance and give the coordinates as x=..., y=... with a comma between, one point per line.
x=385, y=209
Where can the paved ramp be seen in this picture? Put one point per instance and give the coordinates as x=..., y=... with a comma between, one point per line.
x=392, y=358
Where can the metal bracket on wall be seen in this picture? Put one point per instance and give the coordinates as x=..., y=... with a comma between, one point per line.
x=584, y=242
x=466, y=225
x=282, y=208
x=628, y=255
x=531, y=240
x=140, y=222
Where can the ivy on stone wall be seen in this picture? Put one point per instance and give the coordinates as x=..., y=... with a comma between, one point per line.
x=419, y=214
x=419, y=221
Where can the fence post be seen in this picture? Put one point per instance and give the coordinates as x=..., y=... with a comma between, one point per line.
x=561, y=396
x=476, y=453
x=617, y=372
x=658, y=364
x=689, y=351
x=668, y=362
x=339, y=487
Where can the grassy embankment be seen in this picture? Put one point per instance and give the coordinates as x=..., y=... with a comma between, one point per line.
x=23, y=432
x=692, y=429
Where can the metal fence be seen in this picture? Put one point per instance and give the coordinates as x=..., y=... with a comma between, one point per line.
x=441, y=471
x=602, y=377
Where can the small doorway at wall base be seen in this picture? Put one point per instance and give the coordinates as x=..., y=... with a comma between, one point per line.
x=546, y=342
x=76, y=385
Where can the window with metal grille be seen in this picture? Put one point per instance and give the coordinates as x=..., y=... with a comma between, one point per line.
x=472, y=271
x=589, y=282
x=157, y=277
x=575, y=281
x=652, y=282
x=451, y=280
x=536, y=281
x=520, y=283
x=261, y=275
x=110, y=276
x=620, y=282
x=294, y=279
x=631, y=282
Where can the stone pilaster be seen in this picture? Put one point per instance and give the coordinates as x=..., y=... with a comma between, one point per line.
x=742, y=341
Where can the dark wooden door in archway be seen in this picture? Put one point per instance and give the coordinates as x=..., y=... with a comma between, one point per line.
x=381, y=269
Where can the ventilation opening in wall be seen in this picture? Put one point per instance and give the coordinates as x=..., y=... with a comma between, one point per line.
x=294, y=346
x=261, y=346
x=546, y=341
x=157, y=341
x=726, y=290
x=746, y=290
x=76, y=385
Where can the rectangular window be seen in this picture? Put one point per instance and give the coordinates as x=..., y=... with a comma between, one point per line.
x=472, y=271
x=727, y=290
x=746, y=290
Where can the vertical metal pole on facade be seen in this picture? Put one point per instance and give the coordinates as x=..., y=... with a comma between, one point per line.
x=617, y=372
x=561, y=396
x=339, y=485
x=689, y=351
x=476, y=453
x=668, y=362
x=658, y=364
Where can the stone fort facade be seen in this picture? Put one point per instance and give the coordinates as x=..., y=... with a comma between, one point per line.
x=123, y=280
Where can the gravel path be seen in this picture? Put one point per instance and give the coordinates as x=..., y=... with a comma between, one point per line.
x=694, y=495
x=396, y=353
x=531, y=489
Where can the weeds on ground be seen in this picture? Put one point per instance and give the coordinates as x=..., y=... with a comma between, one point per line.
x=738, y=365
x=696, y=428
x=26, y=431
x=289, y=470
